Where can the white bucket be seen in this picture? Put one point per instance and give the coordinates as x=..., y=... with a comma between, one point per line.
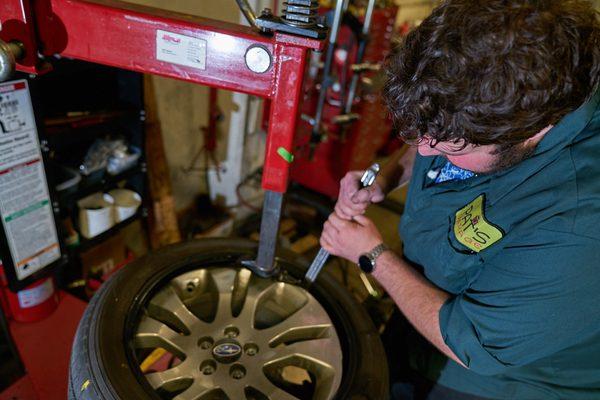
x=126, y=203
x=95, y=214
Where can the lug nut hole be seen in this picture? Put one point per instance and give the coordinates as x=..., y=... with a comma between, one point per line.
x=237, y=371
x=251, y=349
x=190, y=287
x=208, y=367
x=232, y=332
x=206, y=342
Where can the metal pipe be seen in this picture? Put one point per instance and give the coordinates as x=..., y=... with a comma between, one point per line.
x=368, y=17
x=340, y=6
x=360, y=55
x=10, y=53
x=248, y=12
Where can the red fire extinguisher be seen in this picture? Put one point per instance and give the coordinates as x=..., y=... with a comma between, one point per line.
x=36, y=302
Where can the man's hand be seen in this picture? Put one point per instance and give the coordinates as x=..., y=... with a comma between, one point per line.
x=349, y=239
x=354, y=201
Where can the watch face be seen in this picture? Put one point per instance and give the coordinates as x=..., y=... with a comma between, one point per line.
x=365, y=264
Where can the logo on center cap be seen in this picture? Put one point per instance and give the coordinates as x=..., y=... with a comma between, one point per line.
x=227, y=350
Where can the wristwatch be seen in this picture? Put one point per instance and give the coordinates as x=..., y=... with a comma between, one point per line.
x=366, y=261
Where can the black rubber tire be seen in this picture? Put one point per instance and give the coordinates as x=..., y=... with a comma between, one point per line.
x=100, y=367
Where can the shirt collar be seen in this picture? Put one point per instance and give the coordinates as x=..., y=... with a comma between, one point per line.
x=570, y=126
x=561, y=136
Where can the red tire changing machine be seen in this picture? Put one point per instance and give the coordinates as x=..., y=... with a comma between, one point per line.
x=267, y=60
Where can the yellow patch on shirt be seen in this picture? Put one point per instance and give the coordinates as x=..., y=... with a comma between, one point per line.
x=472, y=229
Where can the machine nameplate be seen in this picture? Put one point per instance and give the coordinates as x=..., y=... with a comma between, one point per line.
x=180, y=49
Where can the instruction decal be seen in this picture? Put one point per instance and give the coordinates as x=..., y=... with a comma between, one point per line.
x=180, y=49
x=25, y=206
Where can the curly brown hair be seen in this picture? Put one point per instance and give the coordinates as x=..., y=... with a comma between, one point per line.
x=493, y=71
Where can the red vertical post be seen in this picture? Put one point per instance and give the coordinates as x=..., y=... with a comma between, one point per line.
x=287, y=90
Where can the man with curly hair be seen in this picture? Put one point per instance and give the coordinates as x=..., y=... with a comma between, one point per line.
x=500, y=271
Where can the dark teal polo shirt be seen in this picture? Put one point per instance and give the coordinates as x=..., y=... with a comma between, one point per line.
x=525, y=310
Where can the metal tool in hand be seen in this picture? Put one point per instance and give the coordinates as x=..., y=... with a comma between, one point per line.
x=318, y=263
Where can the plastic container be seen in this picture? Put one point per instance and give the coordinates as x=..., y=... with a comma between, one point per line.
x=126, y=203
x=95, y=214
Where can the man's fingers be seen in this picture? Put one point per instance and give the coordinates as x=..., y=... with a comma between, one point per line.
x=338, y=222
x=327, y=243
x=350, y=205
x=362, y=196
x=350, y=183
x=328, y=227
x=362, y=220
x=347, y=212
x=343, y=212
x=377, y=197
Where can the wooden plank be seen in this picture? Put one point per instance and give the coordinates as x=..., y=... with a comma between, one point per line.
x=164, y=228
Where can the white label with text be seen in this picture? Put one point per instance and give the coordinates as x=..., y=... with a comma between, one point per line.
x=180, y=49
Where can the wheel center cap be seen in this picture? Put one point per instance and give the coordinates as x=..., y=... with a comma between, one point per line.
x=227, y=351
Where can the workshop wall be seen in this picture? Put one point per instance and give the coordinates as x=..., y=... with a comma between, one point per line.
x=414, y=10
x=183, y=107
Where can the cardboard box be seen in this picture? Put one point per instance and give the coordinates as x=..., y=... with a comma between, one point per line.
x=102, y=259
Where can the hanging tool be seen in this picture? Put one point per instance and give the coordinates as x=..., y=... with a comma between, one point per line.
x=359, y=65
x=347, y=117
x=209, y=147
x=327, y=81
x=318, y=263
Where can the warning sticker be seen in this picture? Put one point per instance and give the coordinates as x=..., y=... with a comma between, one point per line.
x=180, y=49
x=25, y=207
x=32, y=297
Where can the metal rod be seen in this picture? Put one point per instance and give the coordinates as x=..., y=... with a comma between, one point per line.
x=340, y=6
x=269, y=230
x=360, y=55
x=248, y=12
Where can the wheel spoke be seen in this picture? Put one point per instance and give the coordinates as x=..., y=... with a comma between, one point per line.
x=322, y=351
x=300, y=334
x=195, y=392
x=258, y=288
x=152, y=333
x=266, y=387
x=240, y=290
x=235, y=391
x=167, y=306
x=224, y=314
x=319, y=357
x=171, y=380
x=309, y=316
x=224, y=281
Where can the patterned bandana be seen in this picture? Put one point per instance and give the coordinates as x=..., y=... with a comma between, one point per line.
x=451, y=172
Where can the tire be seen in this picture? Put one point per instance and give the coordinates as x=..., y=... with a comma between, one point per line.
x=100, y=365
